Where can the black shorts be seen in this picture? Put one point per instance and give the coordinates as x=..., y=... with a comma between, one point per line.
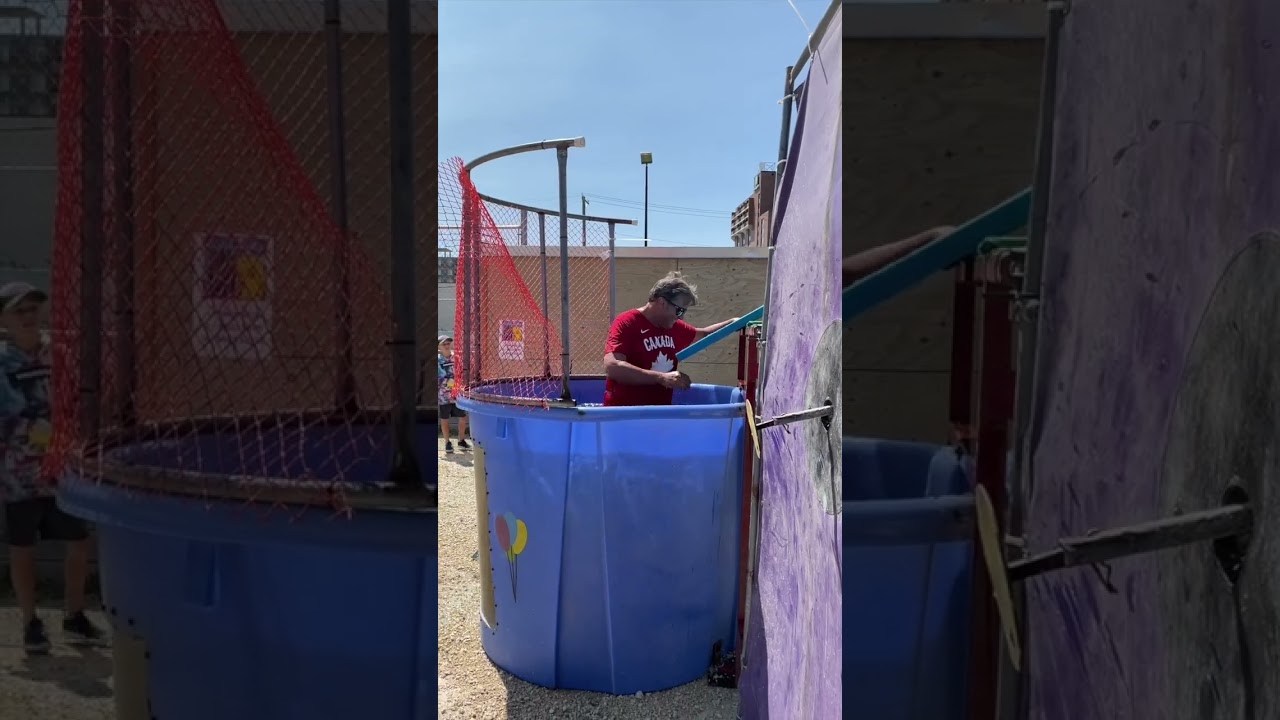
x=450, y=410
x=29, y=521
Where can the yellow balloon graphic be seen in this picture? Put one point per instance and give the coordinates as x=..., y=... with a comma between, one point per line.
x=522, y=537
x=39, y=434
x=253, y=279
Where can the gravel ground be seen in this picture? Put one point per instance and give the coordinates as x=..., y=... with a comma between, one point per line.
x=67, y=684
x=471, y=688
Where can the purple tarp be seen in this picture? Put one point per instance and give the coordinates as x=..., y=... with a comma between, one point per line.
x=1165, y=164
x=792, y=650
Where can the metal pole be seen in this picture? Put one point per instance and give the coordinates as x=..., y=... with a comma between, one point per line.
x=92, y=238
x=818, y=31
x=562, y=158
x=475, y=323
x=122, y=195
x=613, y=271
x=546, y=300
x=466, y=279
x=1012, y=696
x=405, y=472
x=523, y=231
x=584, y=221
x=526, y=147
x=562, y=155
x=784, y=140
x=646, y=205
x=344, y=386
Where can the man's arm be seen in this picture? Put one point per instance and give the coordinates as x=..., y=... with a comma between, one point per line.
x=870, y=261
x=617, y=368
x=705, y=331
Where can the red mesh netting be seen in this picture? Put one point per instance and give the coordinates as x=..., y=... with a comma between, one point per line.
x=509, y=292
x=242, y=332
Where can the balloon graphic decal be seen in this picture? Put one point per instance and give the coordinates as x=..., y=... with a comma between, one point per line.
x=513, y=535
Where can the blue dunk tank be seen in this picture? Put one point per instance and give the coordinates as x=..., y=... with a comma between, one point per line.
x=609, y=537
x=234, y=409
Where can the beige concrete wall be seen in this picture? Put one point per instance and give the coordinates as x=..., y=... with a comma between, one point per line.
x=28, y=188
x=730, y=282
x=936, y=131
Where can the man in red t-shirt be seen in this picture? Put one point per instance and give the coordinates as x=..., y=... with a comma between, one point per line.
x=640, y=355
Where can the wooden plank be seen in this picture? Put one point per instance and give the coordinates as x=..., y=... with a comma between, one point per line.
x=896, y=405
x=726, y=289
x=913, y=332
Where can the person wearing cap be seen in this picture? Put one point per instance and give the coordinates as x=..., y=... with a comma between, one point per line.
x=640, y=363
x=447, y=395
x=31, y=512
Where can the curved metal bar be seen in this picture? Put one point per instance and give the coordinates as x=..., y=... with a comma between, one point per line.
x=544, y=211
x=579, y=142
x=818, y=31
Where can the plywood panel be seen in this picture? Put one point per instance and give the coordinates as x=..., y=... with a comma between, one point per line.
x=900, y=405
x=937, y=131
x=636, y=277
x=726, y=289
x=713, y=373
x=911, y=333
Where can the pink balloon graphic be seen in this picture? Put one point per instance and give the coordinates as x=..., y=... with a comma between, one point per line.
x=504, y=533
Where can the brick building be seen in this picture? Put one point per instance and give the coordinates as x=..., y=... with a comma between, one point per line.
x=751, y=222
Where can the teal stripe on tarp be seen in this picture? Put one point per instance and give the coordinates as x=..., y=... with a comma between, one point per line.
x=907, y=272
x=720, y=334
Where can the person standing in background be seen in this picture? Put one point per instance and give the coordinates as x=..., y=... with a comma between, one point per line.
x=447, y=395
x=31, y=512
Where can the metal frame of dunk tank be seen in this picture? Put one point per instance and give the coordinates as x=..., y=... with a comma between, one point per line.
x=469, y=253
x=402, y=488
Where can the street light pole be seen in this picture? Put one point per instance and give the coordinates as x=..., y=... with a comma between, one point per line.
x=646, y=159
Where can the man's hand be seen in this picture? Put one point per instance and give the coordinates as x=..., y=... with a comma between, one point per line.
x=703, y=332
x=674, y=380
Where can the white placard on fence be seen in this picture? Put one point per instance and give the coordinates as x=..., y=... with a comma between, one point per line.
x=233, y=290
x=511, y=340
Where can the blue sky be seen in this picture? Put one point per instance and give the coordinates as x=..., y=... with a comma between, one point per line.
x=695, y=82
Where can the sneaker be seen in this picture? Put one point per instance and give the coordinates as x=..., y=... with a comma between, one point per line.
x=464, y=445
x=34, y=639
x=81, y=630
x=448, y=446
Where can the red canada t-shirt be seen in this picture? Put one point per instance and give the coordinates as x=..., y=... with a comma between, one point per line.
x=649, y=347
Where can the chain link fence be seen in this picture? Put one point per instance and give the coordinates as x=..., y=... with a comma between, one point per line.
x=224, y=232
x=523, y=326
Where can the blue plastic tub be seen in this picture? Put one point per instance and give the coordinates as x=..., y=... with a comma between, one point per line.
x=258, y=614
x=907, y=579
x=612, y=536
